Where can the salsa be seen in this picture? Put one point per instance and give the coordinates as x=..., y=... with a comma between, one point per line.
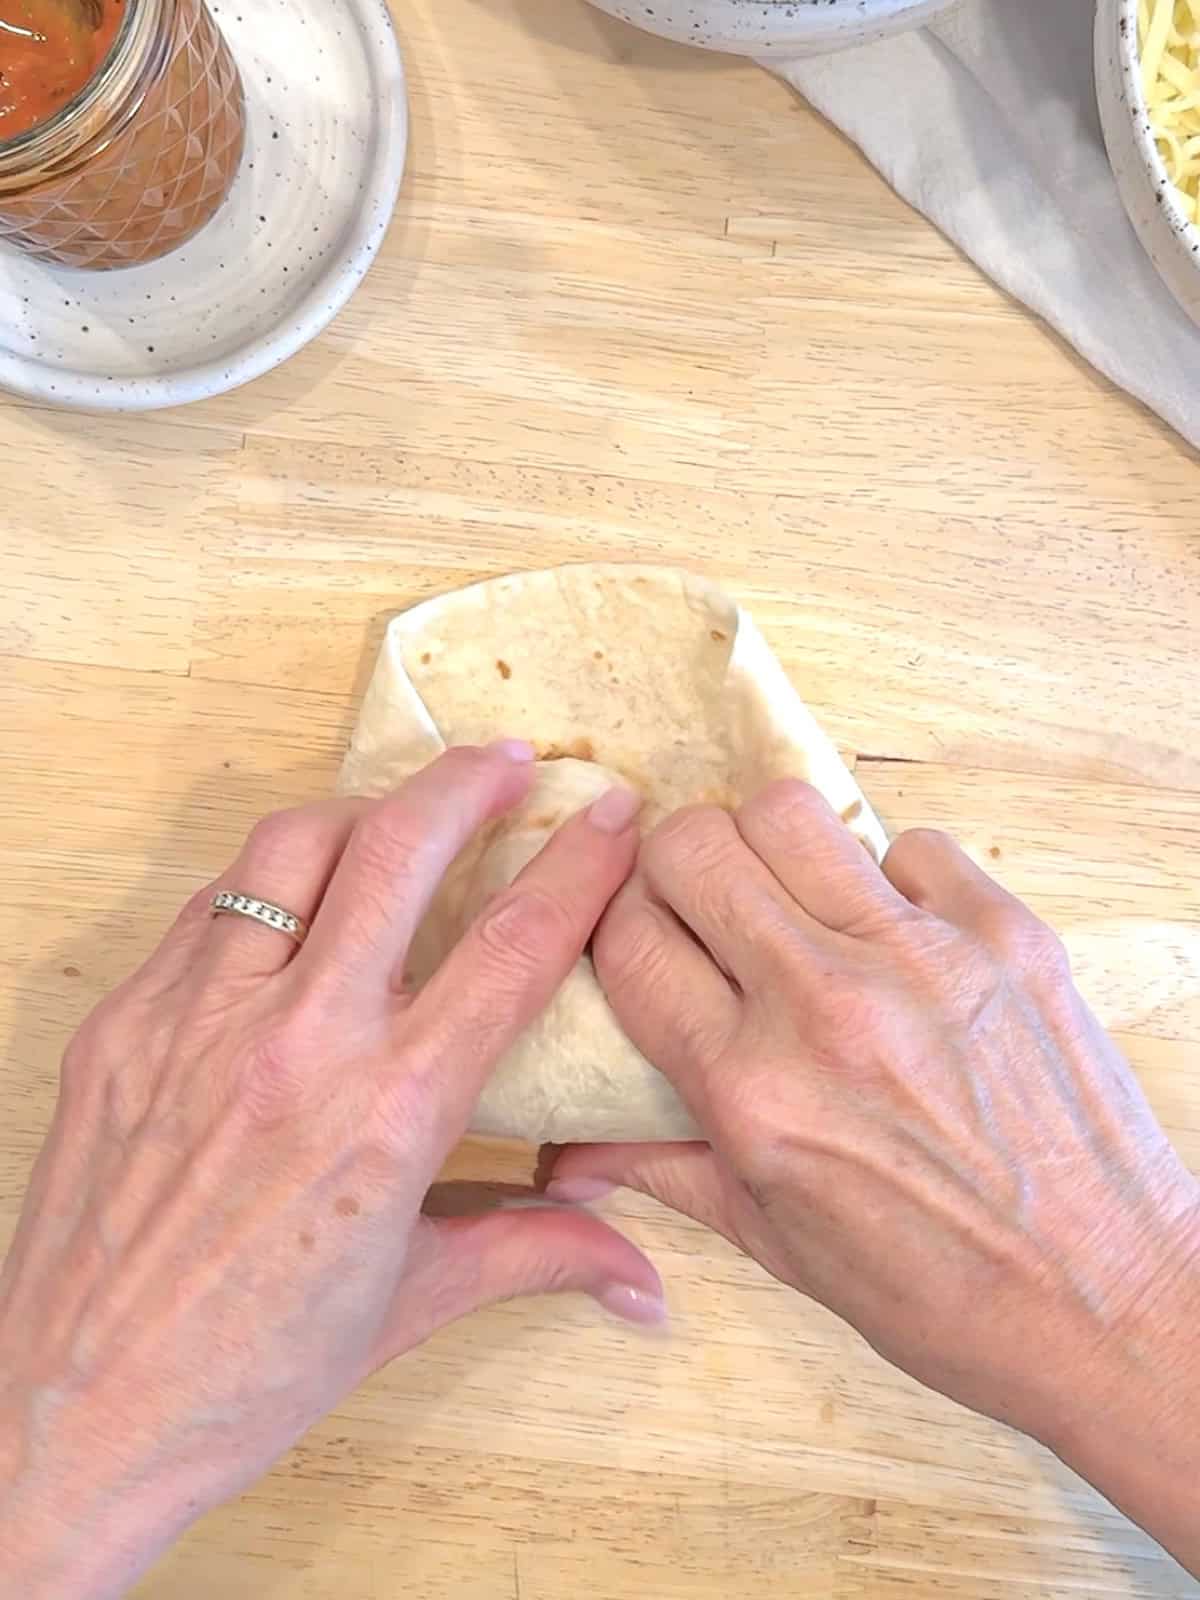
x=154, y=158
x=48, y=50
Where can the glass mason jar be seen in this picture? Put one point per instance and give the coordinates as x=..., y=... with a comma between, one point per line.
x=141, y=157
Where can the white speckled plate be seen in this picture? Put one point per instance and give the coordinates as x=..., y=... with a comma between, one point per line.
x=327, y=126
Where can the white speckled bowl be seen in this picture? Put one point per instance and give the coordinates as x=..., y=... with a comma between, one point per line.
x=1171, y=241
x=326, y=131
x=776, y=27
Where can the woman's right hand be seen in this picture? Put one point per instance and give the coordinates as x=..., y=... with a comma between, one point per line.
x=913, y=1117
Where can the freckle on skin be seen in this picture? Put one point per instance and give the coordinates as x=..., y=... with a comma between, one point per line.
x=347, y=1206
x=307, y=1241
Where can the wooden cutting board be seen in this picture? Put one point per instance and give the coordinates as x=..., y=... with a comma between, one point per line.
x=636, y=303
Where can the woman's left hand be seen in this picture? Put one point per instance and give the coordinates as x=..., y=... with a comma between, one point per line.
x=223, y=1235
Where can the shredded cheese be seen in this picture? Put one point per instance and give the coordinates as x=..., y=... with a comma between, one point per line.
x=1169, y=42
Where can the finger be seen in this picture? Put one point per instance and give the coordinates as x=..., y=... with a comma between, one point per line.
x=933, y=872
x=458, y=1265
x=698, y=863
x=792, y=828
x=511, y=961
x=399, y=854
x=287, y=861
x=668, y=994
x=688, y=1178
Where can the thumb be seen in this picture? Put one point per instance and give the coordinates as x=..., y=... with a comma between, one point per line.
x=689, y=1178
x=457, y=1265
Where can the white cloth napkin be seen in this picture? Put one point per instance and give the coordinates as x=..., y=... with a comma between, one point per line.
x=986, y=121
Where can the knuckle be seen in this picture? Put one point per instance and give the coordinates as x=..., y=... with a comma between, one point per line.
x=631, y=952
x=106, y=1059
x=765, y=1161
x=386, y=845
x=767, y=1154
x=1026, y=942
x=81, y=1059
x=1050, y=955
x=696, y=837
x=698, y=847
x=275, y=838
x=787, y=804
x=636, y=964
x=524, y=926
x=101, y=1040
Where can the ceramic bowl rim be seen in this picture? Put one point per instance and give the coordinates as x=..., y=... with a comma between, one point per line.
x=1129, y=56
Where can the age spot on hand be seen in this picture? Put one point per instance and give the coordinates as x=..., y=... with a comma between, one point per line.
x=347, y=1206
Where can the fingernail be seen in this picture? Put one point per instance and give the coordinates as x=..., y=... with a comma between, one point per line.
x=614, y=811
x=639, y=1306
x=578, y=1191
x=514, y=749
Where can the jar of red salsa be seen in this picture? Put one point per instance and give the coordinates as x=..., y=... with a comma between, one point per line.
x=122, y=125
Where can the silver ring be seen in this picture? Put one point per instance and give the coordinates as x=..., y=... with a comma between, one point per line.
x=228, y=904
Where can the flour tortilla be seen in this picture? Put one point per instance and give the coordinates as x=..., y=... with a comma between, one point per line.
x=617, y=674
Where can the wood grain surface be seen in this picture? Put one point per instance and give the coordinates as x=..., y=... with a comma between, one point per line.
x=636, y=303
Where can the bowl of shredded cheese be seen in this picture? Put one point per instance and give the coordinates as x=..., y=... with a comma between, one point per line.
x=1148, y=86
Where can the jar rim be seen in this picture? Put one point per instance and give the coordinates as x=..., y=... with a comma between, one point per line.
x=40, y=143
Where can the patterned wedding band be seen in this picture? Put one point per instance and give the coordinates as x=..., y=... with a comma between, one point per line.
x=227, y=904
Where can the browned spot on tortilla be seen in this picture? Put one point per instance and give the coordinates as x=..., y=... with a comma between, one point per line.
x=347, y=1206
x=597, y=655
x=853, y=810
x=73, y=972
x=426, y=658
x=579, y=750
x=717, y=636
x=994, y=852
x=546, y=820
x=505, y=671
x=307, y=1242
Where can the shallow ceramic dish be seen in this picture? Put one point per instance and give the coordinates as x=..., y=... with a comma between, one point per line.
x=776, y=27
x=1151, y=199
x=326, y=130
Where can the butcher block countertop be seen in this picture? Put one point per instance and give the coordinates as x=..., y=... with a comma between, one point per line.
x=637, y=304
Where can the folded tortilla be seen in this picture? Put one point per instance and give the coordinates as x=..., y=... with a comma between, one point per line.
x=617, y=674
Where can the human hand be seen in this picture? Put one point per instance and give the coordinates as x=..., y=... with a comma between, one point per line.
x=223, y=1234
x=913, y=1117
